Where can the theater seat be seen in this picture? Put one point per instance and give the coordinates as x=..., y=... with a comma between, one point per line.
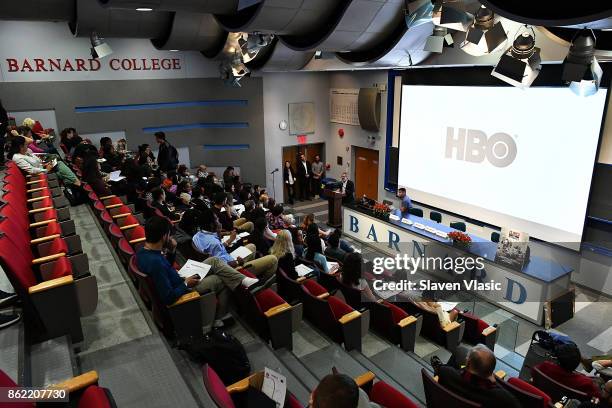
x=6, y=381
x=527, y=394
x=416, y=211
x=478, y=331
x=385, y=395
x=448, y=337
x=290, y=289
x=554, y=389
x=435, y=216
x=438, y=396
x=495, y=236
x=331, y=315
x=96, y=397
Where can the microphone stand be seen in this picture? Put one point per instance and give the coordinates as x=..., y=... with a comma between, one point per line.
x=273, y=186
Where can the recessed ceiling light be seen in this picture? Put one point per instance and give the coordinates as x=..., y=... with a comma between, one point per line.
x=144, y=9
x=173, y=50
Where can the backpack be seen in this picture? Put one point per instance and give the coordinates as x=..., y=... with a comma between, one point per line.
x=76, y=195
x=223, y=352
x=174, y=157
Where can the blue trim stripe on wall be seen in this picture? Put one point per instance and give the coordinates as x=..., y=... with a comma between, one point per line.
x=161, y=105
x=203, y=125
x=227, y=147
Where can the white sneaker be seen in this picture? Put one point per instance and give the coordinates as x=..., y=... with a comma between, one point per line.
x=248, y=282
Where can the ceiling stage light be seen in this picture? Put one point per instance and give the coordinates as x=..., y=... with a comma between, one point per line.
x=436, y=41
x=521, y=63
x=99, y=48
x=447, y=15
x=485, y=35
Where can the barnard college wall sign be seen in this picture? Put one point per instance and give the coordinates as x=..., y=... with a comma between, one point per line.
x=91, y=65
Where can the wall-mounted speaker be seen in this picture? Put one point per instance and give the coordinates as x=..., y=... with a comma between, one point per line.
x=393, y=165
x=368, y=109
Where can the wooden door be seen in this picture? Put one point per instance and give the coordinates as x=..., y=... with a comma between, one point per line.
x=366, y=173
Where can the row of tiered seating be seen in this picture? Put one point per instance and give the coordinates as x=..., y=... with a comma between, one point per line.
x=42, y=256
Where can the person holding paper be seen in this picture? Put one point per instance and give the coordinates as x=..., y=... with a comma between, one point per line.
x=31, y=164
x=92, y=175
x=169, y=284
x=158, y=200
x=428, y=304
x=351, y=276
x=223, y=213
x=315, y=248
x=207, y=241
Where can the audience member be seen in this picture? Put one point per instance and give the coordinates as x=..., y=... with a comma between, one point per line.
x=228, y=176
x=333, y=249
x=223, y=213
x=158, y=200
x=167, y=156
x=170, y=286
x=257, y=236
x=284, y=251
x=70, y=139
x=275, y=217
x=289, y=180
x=92, y=175
x=315, y=248
x=351, y=275
x=476, y=381
x=339, y=391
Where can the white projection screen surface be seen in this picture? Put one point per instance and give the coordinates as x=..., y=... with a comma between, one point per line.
x=513, y=158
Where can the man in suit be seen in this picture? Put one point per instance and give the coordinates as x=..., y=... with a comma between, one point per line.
x=347, y=189
x=304, y=175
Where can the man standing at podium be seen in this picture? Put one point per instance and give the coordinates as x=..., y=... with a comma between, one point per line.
x=304, y=174
x=347, y=189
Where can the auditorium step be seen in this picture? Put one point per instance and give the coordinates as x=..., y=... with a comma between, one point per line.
x=12, y=344
x=50, y=362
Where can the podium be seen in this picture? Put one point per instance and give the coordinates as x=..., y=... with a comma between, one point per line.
x=334, y=208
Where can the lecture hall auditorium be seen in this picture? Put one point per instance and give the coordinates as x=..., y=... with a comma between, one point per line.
x=322, y=204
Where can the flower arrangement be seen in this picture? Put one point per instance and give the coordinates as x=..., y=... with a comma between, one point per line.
x=460, y=238
x=381, y=209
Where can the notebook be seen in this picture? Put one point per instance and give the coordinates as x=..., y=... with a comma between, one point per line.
x=302, y=270
x=241, y=252
x=192, y=267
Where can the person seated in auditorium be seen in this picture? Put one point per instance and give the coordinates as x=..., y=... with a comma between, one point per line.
x=275, y=218
x=351, y=275
x=29, y=163
x=197, y=197
x=201, y=172
x=339, y=391
x=324, y=234
x=405, y=203
x=347, y=189
x=82, y=150
x=70, y=139
x=223, y=213
x=476, y=382
x=284, y=250
x=158, y=200
x=184, y=186
x=112, y=159
x=207, y=241
x=170, y=286
x=228, y=176
x=428, y=304
x=315, y=248
x=183, y=203
x=41, y=138
x=91, y=174
x=258, y=238
x=333, y=249
x=104, y=141
x=26, y=133
x=564, y=370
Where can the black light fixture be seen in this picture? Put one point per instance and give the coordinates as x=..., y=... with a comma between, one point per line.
x=318, y=54
x=581, y=69
x=485, y=35
x=99, y=48
x=521, y=63
x=447, y=14
x=251, y=44
x=439, y=38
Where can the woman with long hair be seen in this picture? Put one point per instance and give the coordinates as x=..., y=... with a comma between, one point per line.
x=350, y=275
x=3, y=127
x=315, y=247
x=31, y=164
x=70, y=139
x=284, y=250
x=93, y=176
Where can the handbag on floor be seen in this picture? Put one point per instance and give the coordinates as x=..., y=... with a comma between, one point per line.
x=76, y=195
x=223, y=352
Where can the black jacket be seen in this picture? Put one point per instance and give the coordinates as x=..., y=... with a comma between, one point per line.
x=286, y=172
x=3, y=121
x=489, y=395
x=349, y=192
x=165, y=158
x=301, y=172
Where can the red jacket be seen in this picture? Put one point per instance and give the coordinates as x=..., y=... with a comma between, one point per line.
x=572, y=379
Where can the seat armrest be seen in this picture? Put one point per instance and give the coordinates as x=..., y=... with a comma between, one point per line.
x=300, y=279
x=33, y=190
x=44, y=239
x=365, y=378
x=41, y=223
x=48, y=258
x=79, y=382
x=108, y=207
x=137, y=240
x=489, y=330
x=106, y=197
x=50, y=284
x=501, y=374
x=452, y=326
x=323, y=295
x=126, y=227
x=121, y=215
x=277, y=309
x=407, y=321
x=254, y=380
x=40, y=210
x=349, y=317
x=33, y=182
x=31, y=200
x=188, y=297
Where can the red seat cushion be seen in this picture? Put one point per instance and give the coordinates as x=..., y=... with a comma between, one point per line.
x=62, y=267
x=387, y=396
x=52, y=228
x=99, y=205
x=247, y=273
x=106, y=217
x=94, y=397
x=129, y=220
x=398, y=313
x=135, y=233
x=313, y=288
x=115, y=230
x=525, y=386
x=267, y=299
x=125, y=247
x=57, y=245
x=338, y=307
x=113, y=201
x=216, y=388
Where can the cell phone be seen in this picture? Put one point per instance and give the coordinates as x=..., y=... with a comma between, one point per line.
x=196, y=276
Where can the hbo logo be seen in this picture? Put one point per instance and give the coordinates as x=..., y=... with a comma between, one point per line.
x=473, y=146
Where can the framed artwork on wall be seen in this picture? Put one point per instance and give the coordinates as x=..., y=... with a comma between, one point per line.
x=301, y=118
